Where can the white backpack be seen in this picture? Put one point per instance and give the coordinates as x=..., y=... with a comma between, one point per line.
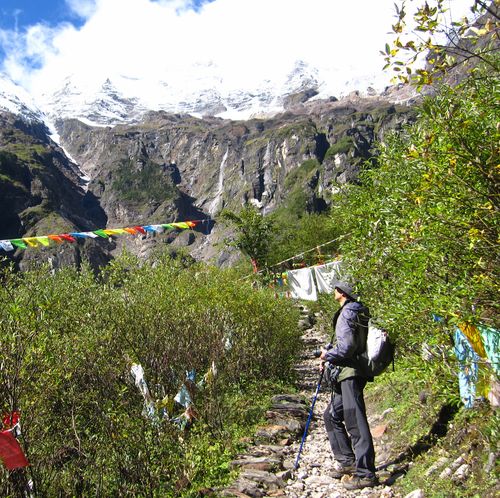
x=379, y=350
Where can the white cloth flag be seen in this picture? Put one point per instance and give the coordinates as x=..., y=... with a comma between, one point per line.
x=302, y=285
x=6, y=245
x=326, y=275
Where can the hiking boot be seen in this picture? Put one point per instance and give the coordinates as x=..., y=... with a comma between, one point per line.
x=342, y=471
x=361, y=482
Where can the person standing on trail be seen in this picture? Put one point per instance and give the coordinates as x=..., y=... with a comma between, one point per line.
x=345, y=416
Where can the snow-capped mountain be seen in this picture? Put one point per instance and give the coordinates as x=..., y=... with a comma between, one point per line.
x=16, y=100
x=199, y=90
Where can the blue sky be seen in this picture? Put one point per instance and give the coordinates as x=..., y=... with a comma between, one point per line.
x=22, y=13
x=18, y=14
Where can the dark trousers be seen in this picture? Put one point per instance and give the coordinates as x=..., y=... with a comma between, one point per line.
x=347, y=427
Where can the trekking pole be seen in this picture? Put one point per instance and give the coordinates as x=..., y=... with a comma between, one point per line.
x=309, y=419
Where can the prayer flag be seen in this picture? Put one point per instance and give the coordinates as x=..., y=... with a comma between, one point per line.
x=10, y=451
x=6, y=245
x=18, y=243
x=9, y=420
x=67, y=237
x=43, y=240
x=31, y=241
x=56, y=238
x=474, y=336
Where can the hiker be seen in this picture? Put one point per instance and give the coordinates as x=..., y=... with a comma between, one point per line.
x=345, y=417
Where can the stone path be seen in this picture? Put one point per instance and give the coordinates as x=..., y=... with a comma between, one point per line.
x=267, y=469
x=311, y=479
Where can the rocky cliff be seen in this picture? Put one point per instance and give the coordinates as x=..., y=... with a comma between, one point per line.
x=177, y=167
x=42, y=193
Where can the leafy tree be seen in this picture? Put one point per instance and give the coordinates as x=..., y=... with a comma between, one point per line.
x=297, y=236
x=252, y=234
x=445, y=44
x=424, y=224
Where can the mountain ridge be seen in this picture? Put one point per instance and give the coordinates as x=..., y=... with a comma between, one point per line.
x=202, y=92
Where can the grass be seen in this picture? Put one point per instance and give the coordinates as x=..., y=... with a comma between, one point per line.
x=25, y=152
x=428, y=422
x=343, y=145
x=468, y=437
x=297, y=177
x=15, y=183
x=144, y=184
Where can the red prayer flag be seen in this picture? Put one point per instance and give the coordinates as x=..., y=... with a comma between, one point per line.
x=9, y=420
x=10, y=451
x=67, y=237
x=140, y=229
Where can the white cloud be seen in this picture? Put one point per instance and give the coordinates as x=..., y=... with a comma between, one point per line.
x=82, y=8
x=245, y=41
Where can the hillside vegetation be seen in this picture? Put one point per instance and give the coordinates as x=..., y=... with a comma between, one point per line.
x=419, y=235
x=68, y=342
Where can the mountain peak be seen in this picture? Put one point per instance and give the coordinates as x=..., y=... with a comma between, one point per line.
x=14, y=99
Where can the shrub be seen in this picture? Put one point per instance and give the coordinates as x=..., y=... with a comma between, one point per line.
x=67, y=343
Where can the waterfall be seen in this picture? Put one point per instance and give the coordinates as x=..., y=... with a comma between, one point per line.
x=214, y=205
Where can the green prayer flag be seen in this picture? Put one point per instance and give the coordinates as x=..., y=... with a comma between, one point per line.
x=18, y=243
x=101, y=233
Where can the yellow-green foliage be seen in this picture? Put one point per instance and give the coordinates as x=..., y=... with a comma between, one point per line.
x=67, y=342
x=26, y=152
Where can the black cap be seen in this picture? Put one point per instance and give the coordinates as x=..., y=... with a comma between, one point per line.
x=345, y=288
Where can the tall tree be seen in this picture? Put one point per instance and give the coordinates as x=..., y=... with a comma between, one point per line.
x=252, y=234
x=425, y=224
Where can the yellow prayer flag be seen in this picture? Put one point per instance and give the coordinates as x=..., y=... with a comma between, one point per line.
x=474, y=336
x=31, y=241
x=43, y=240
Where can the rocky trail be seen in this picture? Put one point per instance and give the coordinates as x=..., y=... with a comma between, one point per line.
x=268, y=467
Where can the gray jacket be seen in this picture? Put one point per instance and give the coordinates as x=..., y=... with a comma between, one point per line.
x=351, y=328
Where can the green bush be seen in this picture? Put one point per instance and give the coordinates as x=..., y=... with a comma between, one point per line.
x=424, y=225
x=143, y=184
x=68, y=340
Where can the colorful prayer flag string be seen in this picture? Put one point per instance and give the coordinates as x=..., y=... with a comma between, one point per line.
x=105, y=233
